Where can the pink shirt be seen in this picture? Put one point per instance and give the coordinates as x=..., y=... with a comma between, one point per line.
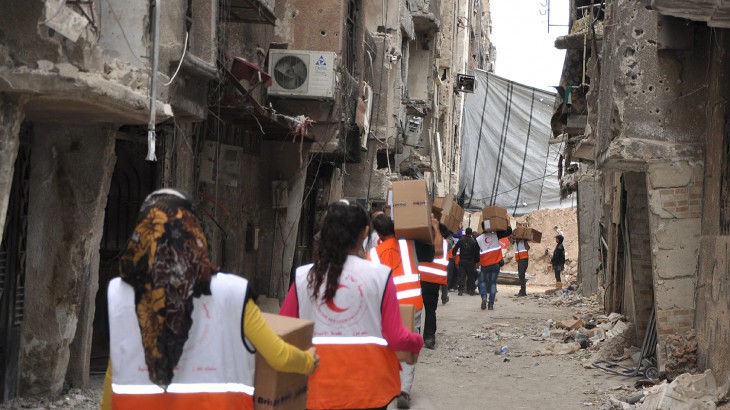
x=399, y=338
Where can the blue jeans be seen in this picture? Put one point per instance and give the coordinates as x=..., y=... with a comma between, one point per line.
x=488, y=278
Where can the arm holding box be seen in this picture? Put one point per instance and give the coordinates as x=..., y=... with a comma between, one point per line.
x=398, y=336
x=282, y=356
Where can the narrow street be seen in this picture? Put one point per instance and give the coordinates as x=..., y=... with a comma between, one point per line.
x=465, y=373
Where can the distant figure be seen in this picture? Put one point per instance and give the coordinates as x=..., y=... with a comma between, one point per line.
x=558, y=260
x=490, y=259
x=522, y=257
x=467, y=251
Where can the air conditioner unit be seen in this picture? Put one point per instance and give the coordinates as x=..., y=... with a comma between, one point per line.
x=302, y=74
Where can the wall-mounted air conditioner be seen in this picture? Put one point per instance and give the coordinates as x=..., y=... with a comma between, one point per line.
x=302, y=74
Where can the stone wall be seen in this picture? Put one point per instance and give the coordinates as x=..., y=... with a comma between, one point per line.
x=675, y=244
x=713, y=282
x=589, y=199
x=652, y=100
x=71, y=168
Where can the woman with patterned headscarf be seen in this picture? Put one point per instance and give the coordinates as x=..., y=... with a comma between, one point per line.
x=182, y=335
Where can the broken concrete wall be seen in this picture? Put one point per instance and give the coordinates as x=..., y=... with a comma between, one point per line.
x=675, y=205
x=304, y=26
x=713, y=281
x=11, y=116
x=652, y=101
x=71, y=169
x=589, y=260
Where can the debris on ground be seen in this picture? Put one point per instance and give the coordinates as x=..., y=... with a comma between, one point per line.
x=681, y=354
x=74, y=399
x=550, y=222
x=687, y=391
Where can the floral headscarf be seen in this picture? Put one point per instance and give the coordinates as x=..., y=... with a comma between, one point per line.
x=166, y=261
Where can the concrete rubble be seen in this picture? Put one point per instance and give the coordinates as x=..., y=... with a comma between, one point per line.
x=86, y=399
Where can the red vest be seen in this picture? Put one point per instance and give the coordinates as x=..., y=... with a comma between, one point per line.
x=521, y=250
x=436, y=272
x=490, y=250
x=400, y=256
x=357, y=368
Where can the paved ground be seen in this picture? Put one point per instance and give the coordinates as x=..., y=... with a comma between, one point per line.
x=464, y=372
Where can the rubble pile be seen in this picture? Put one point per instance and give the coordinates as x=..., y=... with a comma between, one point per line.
x=602, y=334
x=686, y=392
x=681, y=354
x=550, y=222
x=75, y=399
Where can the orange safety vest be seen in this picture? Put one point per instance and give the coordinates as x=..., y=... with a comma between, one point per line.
x=357, y=368
x=521, y=250
x=490, y=250
x=214, y=344
x=436, y=271
x=400, y=256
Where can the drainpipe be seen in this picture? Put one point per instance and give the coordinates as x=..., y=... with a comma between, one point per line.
x=153, y=81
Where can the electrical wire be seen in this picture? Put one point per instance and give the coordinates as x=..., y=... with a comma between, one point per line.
x=177, y=70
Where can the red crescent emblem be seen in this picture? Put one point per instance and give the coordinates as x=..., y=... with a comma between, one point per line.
x=331, y=303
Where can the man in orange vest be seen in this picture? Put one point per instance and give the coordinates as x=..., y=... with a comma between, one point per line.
x=403, y=257
x=522, y=258
x=434, y=277
x=490, y=258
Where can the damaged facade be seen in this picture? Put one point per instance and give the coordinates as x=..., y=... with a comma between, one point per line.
x=643, y=117
x=266, y=111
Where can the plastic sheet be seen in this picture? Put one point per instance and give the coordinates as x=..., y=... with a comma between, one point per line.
x=505, y=156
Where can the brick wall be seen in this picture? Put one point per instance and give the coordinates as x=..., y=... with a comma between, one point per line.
x=637, y=219
x=675, y=205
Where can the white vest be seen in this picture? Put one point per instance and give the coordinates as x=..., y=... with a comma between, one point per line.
x=214, y=357
x=353, y=316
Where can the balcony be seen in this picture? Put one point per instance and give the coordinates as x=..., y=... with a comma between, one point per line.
x=716, y=13
x=425, y=14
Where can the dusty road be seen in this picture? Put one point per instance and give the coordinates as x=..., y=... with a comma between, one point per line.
x=465, y=373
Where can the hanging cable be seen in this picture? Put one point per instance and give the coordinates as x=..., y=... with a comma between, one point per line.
x=502, y=140
x=185, y=49
x=524, y=156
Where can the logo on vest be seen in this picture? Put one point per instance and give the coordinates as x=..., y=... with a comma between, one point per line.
x=348, y=305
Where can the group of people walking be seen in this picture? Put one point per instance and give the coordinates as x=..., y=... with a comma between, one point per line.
x=184, y=335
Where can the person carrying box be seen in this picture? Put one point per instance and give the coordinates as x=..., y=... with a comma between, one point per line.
x=357, y=320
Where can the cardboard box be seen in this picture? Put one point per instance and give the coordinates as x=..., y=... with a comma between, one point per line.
x=494, y=218
x=528, y=234
x=411, y=211
x=407, y=314
x=473, y=220
x=450, y=213
x=283, y=391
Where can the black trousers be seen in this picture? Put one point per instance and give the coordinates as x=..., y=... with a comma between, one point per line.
x=430, y=293
x=521, y=269
x=557, y=269
x=467, y=274
x=452, y=272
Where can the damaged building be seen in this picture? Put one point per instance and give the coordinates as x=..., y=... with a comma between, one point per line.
x=642, y=115
x=265, y=111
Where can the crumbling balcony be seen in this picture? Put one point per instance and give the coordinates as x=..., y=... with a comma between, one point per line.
x=425, y=14
x=715, y=12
